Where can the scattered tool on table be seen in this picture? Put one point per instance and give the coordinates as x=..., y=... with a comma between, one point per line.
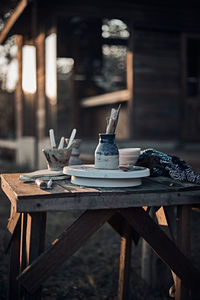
x=43, y=178
x=50, y=183
x=41, y=184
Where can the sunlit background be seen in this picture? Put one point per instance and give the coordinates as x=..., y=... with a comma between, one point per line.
x=29, y=69
x=113, y=28
x=50, y=67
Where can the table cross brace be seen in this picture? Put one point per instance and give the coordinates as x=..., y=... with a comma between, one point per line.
x=62, y=248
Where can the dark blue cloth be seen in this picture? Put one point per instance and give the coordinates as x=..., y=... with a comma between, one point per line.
x=161, y=164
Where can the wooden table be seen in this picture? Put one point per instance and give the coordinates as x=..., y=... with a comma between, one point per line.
x=125, y=209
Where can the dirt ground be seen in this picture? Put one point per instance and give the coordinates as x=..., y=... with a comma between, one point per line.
x=92, y=272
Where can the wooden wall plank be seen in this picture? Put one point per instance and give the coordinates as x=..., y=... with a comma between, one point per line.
x=41, y=100
x=168, y=16
x=13, y=18
x=156, y=84
x=130, y=81
x=18, y=92
x=106, y=99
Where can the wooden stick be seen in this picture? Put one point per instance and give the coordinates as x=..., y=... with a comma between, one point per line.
x=72, y=136
x=52, y=138
x=112, y=123
x=61, y=144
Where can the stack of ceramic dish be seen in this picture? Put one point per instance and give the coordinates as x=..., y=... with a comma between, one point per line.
x=88, y=175
x=128, y=156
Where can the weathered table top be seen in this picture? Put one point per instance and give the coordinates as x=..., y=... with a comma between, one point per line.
x=159, y=191
x=120, y=207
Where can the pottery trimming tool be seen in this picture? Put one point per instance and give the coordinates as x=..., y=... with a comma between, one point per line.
x=61, y=144
x=52, y=138
x=71, y=138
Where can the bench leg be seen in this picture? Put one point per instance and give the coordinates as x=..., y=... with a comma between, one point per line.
x=163, y=246
x=32, y=244
x=125, y=263
x=183, y=242
x=14, y=264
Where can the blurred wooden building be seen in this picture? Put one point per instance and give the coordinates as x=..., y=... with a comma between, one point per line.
x=89, y=56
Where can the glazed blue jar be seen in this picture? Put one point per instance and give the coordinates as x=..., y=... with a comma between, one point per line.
x=106, y=153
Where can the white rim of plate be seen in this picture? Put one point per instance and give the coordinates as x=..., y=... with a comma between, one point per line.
x=90, y=172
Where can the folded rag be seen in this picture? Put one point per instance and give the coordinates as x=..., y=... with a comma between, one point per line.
x=161, y=164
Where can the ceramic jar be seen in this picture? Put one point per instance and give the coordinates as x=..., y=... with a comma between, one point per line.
x=106, y=153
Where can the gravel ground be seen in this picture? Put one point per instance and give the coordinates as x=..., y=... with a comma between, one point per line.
x=92, y=272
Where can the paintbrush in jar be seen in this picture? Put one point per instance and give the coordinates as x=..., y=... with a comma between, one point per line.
x=112, y=123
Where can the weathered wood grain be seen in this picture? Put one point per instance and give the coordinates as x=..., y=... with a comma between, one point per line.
x=41, y=100
x=183, y=242
x=23, y=248
x=117, y=223
x=62, y=248
x=34, y=242
x=14, y=264
x=125, y=263
x=19, y=93
x=128, y=202
x=17, y=189
x=87, y=201
x=160, y=215
x=156, y=82
x=35, y=235
x=175, y=184
x=11, y=227
x=163, y=246
x=29, y=198
x=170, y=214
x=109, y=98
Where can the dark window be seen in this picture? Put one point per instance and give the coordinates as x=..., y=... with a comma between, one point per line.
x=193, y=67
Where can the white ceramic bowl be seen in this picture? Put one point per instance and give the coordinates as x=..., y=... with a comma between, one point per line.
x=128, y=156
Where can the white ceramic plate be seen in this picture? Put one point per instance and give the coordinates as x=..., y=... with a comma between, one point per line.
x=87, y=175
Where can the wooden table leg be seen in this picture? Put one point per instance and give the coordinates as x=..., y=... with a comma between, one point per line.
x=183, y=242
x=117, y=223
x=63, y=248
x=163, y=246
x=14, y=263
x=23, y=258
x=125, y=263
x=12, y=223
x=34, y=243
